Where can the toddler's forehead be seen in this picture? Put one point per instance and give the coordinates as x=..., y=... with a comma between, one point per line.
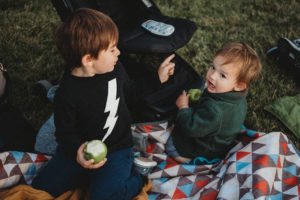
x=228, y=61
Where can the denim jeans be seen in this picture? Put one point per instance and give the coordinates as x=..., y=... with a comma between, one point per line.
x=45, y=140
x=116, y=180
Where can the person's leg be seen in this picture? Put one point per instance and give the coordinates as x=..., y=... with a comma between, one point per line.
x=116, y=179
x=172, y=152
x=2, y=83
x=45, y=142
x=59, y=175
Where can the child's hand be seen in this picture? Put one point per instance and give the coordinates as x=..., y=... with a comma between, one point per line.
x=87, y=163
x=166, y=69
x=183, y=100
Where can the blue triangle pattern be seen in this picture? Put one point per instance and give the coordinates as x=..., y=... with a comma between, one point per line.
x=31, y=170
x=274, y=158
x=162, y=165
x=241, y=165
x=190, y=168
x=291, y=169
x=187, y=189
x=17, y=155
x=276, y=197
x=162, y=180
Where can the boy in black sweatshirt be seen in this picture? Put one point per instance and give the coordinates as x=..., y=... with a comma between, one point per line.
x=91, y=104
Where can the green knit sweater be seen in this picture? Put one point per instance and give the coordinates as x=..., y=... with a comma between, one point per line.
x=209, y=128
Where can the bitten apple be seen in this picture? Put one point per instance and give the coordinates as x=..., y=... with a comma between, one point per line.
x=95, y=149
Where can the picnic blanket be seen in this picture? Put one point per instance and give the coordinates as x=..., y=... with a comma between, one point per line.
x=260, y=166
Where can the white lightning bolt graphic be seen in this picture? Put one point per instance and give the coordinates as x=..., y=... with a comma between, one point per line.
x=112, y=104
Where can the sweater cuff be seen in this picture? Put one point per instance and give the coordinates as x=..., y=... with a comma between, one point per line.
x=156, y=81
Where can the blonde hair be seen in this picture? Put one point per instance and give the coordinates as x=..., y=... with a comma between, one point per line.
x=242, y=53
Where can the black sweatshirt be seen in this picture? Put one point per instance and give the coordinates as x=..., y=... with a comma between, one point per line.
x=87, y=108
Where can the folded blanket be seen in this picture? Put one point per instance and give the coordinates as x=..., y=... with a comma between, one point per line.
x=287, y=110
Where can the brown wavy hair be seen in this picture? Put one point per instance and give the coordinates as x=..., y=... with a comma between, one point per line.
x=86, y=31
x=242, y=53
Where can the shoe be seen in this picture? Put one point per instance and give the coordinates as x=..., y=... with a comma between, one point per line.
x=144, y=165
x=273, y=52
x=284, y=45
x=289, y=55
x=289, y=51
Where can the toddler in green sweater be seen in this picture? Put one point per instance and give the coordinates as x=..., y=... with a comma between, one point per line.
x=208, y=128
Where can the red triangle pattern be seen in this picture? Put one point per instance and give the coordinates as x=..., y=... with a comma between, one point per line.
x=262, y=160
x=241, y=154
x=201, y=184
x=178, y=194
x=261, y=186
x=209, y=196
x=40, y=158
x=284, y=146
x=151, y=148
x=291, y=181
x=170, y=163
x=147, y=128
x=279, y=163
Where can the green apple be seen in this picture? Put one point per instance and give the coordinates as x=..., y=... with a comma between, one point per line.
x=195, y=94
x=95, y=149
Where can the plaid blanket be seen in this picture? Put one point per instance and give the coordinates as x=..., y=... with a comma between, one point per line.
x=260, y=166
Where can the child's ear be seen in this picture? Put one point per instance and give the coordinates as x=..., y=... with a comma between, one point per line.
x=240, y=86
x=87, y=60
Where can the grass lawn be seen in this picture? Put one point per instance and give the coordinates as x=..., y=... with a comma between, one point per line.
x=28, y=51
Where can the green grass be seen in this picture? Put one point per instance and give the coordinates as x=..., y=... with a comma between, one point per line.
x=28, y=52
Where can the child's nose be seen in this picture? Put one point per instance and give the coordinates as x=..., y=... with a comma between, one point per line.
x=118, y=52
x=213, y=75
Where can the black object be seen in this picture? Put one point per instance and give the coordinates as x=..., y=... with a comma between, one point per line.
x=134, y=41
x=128, y=16
x=287, y=53
x=15, y=132
x=289, y=56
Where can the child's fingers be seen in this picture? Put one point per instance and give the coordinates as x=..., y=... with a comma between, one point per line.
x=168, y=59
x=100, y=164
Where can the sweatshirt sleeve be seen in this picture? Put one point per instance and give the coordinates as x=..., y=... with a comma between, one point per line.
x=200, y=122
x=65, y=120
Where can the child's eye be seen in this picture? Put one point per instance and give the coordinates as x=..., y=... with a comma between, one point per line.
x=223, y=75
x=212, y=67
